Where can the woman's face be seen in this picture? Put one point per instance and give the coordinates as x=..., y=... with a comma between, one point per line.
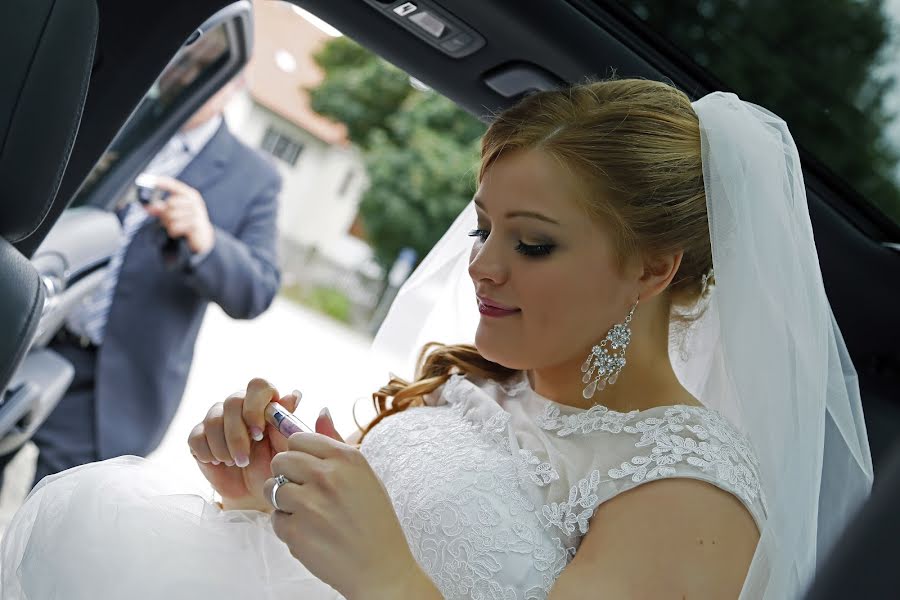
x=546, y=276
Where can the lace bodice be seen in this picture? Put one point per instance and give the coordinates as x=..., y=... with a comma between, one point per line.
x=495, y=485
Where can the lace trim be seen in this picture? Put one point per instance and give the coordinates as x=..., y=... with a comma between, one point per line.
x=531, y=469
x=462, y=539
x=721, y=451
x=597, y=418
x=566, y=515
x=551, y=563
x=451, y=387
x=496, y=430
x=514, y=388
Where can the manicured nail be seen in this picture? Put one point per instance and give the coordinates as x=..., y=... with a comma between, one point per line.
x=326, y=413
x=241, y=460
x=217, y=462
x=256, y=433
x=297, y=394
x=230, y=463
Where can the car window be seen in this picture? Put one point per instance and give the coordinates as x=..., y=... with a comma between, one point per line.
x=193, y=66
x=375, y=167
x=827, y=68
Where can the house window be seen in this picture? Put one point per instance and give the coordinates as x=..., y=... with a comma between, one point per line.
x=281, y=145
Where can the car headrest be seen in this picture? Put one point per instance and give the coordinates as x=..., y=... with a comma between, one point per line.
x=21, y=306
x=46, y=56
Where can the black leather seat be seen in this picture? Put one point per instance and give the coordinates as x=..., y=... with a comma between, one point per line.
x=46, y=57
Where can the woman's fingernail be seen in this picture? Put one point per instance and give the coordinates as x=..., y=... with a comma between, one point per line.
x=241, y=460
x=256, y=433
x=217, y=462
x=326, y=413
x=297, y=394
x=230, y=463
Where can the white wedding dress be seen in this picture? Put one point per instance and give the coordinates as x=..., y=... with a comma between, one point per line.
x=493, y=485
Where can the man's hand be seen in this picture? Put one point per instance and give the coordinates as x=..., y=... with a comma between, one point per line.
x=183, y=214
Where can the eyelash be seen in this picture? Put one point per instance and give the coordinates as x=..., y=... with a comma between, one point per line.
x=536, y=250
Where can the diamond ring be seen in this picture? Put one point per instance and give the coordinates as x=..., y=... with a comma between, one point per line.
x=280, y=480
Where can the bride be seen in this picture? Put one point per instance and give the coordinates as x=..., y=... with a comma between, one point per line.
x=654, y=401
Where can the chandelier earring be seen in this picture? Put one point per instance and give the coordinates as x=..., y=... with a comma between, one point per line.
x=607, y=359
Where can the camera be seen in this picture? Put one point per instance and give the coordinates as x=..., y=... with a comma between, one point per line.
x=175, y=252
x=146, y=190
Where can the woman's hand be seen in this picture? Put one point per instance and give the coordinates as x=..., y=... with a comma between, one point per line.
x=234, y=446
x=337, y=519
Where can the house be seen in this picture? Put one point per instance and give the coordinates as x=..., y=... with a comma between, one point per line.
x=323, y=174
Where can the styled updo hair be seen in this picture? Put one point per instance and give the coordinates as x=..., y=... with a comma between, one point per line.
x=633, y=147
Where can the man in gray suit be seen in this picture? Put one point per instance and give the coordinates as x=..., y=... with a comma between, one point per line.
x=132, y=344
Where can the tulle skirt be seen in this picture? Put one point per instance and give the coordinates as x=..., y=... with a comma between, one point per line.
x=122, y=529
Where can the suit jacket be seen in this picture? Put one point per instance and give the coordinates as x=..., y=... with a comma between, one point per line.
x=143, y=363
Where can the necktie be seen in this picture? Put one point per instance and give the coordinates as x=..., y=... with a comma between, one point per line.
x=96, y=309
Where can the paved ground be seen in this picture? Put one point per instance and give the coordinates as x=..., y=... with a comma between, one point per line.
x=290, y=346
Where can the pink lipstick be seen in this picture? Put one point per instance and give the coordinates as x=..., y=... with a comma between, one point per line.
x=284, y=421
x=491, y=308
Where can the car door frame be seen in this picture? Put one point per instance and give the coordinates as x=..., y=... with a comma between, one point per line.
x=237, y=21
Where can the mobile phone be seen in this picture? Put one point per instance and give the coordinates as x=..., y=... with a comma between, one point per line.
x=284, y=421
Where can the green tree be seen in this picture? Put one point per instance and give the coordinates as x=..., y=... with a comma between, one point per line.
x=816, y=64
x=420, y=148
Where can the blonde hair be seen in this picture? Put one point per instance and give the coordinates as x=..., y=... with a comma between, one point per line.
x=633, y=148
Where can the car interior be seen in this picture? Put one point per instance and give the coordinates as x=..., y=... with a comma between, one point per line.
x=75, y=72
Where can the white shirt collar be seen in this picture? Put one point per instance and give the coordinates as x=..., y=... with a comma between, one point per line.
x=196, y=138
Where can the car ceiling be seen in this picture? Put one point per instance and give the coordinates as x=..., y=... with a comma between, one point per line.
x=565, y=37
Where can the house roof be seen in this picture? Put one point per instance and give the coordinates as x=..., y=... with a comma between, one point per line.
x=279, y=28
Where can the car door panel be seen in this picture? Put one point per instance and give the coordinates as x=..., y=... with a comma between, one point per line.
x=34, y=392
x=72, y=264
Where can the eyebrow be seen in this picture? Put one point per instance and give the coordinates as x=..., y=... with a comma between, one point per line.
x=521, y=213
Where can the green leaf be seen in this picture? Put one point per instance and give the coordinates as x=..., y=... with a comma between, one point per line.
x=421, y=150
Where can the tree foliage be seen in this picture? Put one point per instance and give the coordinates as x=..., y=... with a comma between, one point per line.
x=420, y=148
x=818, y=65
